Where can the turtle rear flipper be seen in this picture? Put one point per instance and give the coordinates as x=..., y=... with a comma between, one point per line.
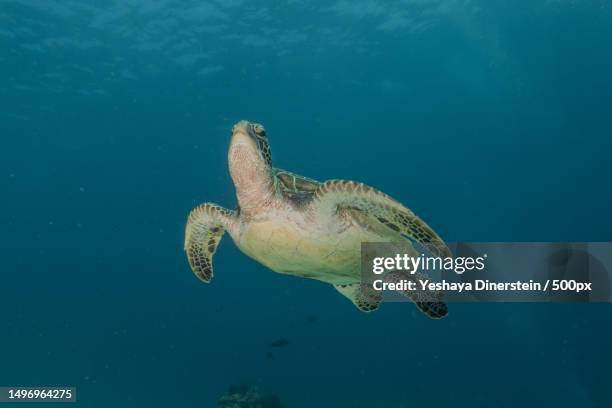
x=427, y=301
x=205, y=228
x=435, y=310
x=363, y=296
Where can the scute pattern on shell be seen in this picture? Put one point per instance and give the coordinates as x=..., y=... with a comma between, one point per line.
x=295, y=188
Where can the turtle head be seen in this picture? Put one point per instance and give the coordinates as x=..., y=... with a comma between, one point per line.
x=251, y=137
x=250, y=165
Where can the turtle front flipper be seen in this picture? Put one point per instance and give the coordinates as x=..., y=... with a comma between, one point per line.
x=363, y=296
x=205, y=228
x=335, y=195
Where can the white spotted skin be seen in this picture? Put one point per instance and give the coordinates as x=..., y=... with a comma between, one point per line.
x=306, y=244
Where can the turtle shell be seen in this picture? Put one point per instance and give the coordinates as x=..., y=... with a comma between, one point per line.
x=295, y=188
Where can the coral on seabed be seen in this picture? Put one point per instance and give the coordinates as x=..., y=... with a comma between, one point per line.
x=247, y=396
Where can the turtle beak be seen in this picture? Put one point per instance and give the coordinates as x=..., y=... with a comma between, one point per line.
x=241, y=127
x=241, y=135
x=244, y=137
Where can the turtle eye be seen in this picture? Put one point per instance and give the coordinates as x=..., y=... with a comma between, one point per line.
x=259, y=129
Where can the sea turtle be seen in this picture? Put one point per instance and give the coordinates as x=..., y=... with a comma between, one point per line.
x=298, y=226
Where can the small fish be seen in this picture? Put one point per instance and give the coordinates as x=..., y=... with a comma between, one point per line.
x=270, y=355
x=279, y=343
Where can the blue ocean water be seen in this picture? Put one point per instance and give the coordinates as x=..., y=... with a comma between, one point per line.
x=492, y=120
